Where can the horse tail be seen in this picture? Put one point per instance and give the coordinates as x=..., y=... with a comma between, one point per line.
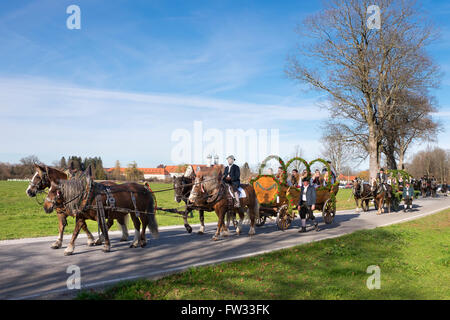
x=151, y=215
x=256, y=205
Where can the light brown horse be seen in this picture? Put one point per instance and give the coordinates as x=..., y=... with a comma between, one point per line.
x=42, y=179
x=210, y=190
x=381, y=196
x=79, y=197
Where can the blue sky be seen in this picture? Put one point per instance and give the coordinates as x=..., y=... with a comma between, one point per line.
x=138, y=70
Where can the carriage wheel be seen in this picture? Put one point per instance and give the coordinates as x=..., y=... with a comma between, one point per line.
x=283, y=218
x=328, y=211
x=261, y=221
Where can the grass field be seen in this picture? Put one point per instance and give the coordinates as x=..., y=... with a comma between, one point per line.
x=413, y=257
x=23, y=217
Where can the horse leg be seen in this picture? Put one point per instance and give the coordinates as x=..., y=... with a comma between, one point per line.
x=144, y=220
x=253, y=214
x=186, y=223
x=137, y=227
x=357, y=204
x=122, y=220
x=202, y=222
x=62, y=222
x=79, y=223
x=241, y=219
x=220, y=215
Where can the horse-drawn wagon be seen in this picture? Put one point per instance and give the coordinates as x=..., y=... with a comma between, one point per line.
x=280, y=199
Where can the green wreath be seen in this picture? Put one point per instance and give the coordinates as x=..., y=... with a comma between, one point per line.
x=329, y=186
x=263, y=165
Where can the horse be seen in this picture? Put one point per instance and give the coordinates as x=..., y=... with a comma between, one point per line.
x=81, y=197
x=423, y=187
x=42, y=179
x=444, y=188
x=361, y=197
x=433, y=188
x=210, y=190
x=381, y=196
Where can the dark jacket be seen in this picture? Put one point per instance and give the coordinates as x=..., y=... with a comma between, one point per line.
x=408, y=193
x=235, y=175
x=310, y=196
x=382, y=177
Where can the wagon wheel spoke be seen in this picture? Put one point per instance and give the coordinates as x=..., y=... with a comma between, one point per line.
x=329, y=211
x=283, y=218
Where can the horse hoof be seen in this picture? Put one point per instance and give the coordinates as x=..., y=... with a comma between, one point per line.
x=107, y=249
x=68, y=253
x=90, y=243
x=143, y=244
x=123, y=239
x=56, y=245
x=188, y=228
x=133, y=245
x=215, y=238
x=98, y=242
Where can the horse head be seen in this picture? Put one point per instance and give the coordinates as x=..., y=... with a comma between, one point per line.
x=42, y=179
x=206, y=183
x=54, y=198
x=182, y=187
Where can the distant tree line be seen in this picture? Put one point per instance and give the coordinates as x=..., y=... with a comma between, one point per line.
x=25, y=168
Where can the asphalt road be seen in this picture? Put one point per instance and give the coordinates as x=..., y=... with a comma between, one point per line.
x=31, y=270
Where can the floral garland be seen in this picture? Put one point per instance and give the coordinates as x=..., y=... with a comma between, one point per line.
x=405, y=175
x=284, y=171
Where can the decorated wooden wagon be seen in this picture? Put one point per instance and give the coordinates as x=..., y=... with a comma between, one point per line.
x=280, y=200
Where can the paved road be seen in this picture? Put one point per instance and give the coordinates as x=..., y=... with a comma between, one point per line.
x=31, y=270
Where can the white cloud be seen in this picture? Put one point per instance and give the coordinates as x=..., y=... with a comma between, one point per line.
x=51, y=120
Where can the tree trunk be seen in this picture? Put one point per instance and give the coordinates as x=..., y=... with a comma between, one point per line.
x=374, y=154
x=401, y=157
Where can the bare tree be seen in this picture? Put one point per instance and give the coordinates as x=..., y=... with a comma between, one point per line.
x=431, y=162
x=337, y=149
x=410, y=123
x=362, y=69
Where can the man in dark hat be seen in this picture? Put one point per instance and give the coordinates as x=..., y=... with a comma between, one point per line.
x=382, y=179
x=307, y=203
x=408, y=195
x=232, y=176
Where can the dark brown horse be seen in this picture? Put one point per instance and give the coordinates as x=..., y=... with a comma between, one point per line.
x=79, y=197
x=42, y=179
x=210, y=190
x=363, y=197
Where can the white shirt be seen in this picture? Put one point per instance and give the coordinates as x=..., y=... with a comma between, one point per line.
x=304, y=193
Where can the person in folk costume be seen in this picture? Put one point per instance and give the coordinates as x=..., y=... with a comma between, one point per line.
x=382, y=179
x=307, y=203
x=326, y=173
x=295, y=177
x=315, y=181
x=408, y=195
x=280, y=175
x=232, y=176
